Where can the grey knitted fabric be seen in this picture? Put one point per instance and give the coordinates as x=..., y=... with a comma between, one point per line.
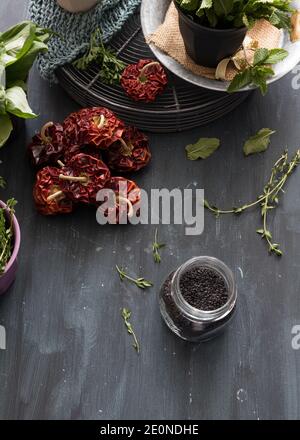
x=74, y=30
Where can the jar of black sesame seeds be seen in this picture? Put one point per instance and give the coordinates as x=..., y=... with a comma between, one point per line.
x=198, y=300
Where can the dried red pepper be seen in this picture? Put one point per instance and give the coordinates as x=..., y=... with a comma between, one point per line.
x=131, y=153
x=96, y=126
x=127, y=200
x=47, y=193
x=71, y=151
x=48, y=146
x=144, y=81
x=83, y=177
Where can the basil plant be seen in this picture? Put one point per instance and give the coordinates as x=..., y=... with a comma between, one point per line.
x=19, y=47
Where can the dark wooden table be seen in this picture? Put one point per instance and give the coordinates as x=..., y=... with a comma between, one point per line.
x=68, y=354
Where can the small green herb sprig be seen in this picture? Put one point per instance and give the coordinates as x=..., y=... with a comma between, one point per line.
x=139, y=282
x=156, y=247
x=269, y=200
x=126, y=315
x=111, y=67
x=258, y=72
x=6, y=231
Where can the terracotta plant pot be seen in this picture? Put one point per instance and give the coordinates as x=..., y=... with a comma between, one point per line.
x=208, y=46
x=9, y=275
x=77, y=5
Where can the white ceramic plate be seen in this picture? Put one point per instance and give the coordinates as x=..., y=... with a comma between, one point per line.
x=152, y=15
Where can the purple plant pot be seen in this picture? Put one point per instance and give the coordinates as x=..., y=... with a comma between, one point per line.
x=8, y=277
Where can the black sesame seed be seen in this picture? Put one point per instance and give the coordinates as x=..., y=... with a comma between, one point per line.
x=203, y=288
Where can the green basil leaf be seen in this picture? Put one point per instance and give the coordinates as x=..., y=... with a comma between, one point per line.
x=203, y=148
x=6, y=128
x=17, y=41
x=17, y=104
x=259, y=142
x=20, y=69
x=2, y=100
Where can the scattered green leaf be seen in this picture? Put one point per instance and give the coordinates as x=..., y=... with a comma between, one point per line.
x=259, y=142
x=203, y=148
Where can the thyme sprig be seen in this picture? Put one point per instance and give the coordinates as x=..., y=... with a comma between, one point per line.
x=281, y=170
x=156, y=246
x=139, y=282
x=6, y=233
x=126, y=314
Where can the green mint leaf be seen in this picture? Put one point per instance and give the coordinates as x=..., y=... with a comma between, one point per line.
x=223, y=7
x=259, y=142
x=240, y=80
x=203, y=148
x=276, y=55
x=260, y=56
x=211, y=17
x=260, y=75
x=189, y=5
x=206, y=4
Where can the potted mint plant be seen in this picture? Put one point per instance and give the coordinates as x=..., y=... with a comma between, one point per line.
x=215, y=29
x=19, y=47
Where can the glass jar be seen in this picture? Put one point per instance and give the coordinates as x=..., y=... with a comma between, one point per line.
x=188, y=322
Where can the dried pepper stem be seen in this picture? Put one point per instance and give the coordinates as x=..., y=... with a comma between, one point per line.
x=126, y=149
x=100, y=121
x=129, y=204
x=73, y=178
x=54, y=196
x=45, y=138
x=142, y=75
x=61, y=164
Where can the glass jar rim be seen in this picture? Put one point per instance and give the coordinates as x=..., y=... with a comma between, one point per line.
x=193, y=312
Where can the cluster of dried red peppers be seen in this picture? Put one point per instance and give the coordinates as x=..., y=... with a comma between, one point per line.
x=77, y=158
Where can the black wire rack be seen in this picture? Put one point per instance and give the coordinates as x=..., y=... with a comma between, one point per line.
x=182, y=105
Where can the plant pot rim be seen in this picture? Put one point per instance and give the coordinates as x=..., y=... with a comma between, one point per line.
x=17, y=240
x=207, y=28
